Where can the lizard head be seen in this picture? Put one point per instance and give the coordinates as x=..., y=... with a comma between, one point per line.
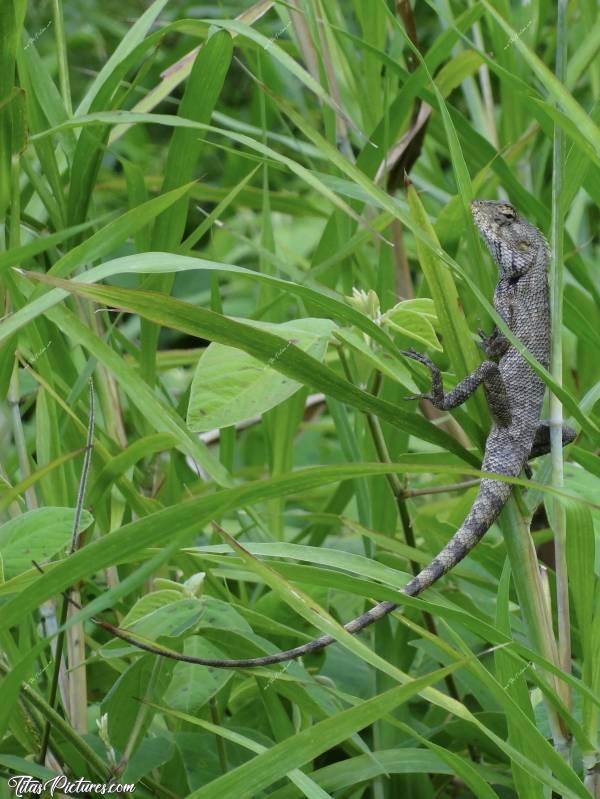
x=512, y=241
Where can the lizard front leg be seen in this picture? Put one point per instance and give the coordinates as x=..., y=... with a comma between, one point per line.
x=487, y=373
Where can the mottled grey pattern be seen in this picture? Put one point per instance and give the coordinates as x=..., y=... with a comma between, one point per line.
x=514, y=394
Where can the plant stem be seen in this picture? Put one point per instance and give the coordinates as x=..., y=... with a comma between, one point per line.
x=556, y=416
x=220, y=741
x=530, y=591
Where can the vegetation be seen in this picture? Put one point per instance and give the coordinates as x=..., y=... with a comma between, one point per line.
x=212, y=260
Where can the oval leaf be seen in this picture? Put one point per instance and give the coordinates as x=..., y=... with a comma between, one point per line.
x=230, y=385
x=37, y=535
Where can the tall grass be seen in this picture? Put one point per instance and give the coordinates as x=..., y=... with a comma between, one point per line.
x=231, y=220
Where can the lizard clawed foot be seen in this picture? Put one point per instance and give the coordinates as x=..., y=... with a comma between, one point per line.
x=420, y=357
x=494, y=345
x=485, y=343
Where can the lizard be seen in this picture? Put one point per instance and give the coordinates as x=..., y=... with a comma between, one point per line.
x=514, y=394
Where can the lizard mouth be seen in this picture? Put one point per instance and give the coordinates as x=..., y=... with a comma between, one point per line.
x=477, y=211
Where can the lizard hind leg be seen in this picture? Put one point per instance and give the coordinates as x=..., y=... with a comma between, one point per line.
x=541, y=443
x=541, y=440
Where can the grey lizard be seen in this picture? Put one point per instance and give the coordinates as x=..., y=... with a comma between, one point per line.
x=514, y=393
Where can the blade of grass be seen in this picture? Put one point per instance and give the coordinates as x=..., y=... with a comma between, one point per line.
x=290, y=360
x=550, y=82
x=200, y=97
x=556, y=280
x=273, y=764
x=178, y=72
x=303, y=782
x=322, y=298
x=134, y=36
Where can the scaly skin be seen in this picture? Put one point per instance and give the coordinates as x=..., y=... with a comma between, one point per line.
x=514, y=393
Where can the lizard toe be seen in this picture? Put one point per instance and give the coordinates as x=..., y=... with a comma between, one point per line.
x=420, y=357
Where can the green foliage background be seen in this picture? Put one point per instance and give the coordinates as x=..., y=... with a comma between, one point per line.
x=245, y=211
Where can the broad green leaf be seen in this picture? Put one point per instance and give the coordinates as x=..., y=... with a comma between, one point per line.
x=146, y=679
x=290, y=361
x=152, y=753
x=192, y=687
x=412, y=324
x=149, y=604
x=37, y=535
x=158, y=614
x=230, y=386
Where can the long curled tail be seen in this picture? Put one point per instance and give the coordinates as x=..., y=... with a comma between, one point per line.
x=490, y=500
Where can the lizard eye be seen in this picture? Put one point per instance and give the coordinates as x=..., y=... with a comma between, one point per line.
x=508, y=213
